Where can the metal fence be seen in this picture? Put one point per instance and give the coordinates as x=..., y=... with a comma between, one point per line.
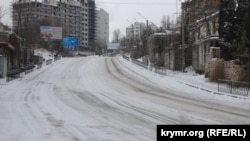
x=139, y=63
x=14, y=74
x=126, y=57
x=56, y=58
x=39, y=66
x=151, y=67
x=49, y=61
x=29, y=69
x=156, y=69
x=233, y=87
x=161, y=70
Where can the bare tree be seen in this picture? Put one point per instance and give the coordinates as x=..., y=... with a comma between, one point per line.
x=117, y=35
x=3, y=12
x=200, y=14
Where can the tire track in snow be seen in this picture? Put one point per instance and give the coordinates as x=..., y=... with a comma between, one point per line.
x=159, y=92
x=153, y=115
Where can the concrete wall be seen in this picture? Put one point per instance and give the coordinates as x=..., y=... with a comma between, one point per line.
x=169, y=59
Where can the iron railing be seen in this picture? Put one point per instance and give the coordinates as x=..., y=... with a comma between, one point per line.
x=234, y=87
x=39, y=66
x=56, y=58
x=151, y=67
x=29, y=69
x=161, y=70
x=14, y=74
x=156, y=69
x=126, y=57
x=139, y=63
x=49, y=61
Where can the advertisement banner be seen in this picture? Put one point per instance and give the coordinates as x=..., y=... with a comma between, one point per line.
x=49, y=32
x=70, y=42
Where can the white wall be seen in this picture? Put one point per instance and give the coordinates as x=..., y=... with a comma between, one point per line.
x=102, y=25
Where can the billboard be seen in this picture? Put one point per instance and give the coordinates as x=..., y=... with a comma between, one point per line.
x=113, y=46
x=50, y=32
x=70, y=42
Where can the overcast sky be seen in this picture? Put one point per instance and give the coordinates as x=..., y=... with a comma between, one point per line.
x=123, y=11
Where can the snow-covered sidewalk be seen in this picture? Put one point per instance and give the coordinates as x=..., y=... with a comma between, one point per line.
x=175, y=78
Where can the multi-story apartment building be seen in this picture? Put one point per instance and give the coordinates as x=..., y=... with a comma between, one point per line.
x=135, y=30
x=130, y=32
x=138, y=29
x=92, y=21
x=71, y=15
x=102, y=28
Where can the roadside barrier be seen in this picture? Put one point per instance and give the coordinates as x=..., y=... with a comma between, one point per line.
x=29, y=69
x=156, y=69
x=56, y=58
x=139, y=63
x=126, y=57
x=39, y=66
x=15, y=74
x=49, y=61
x=234, y=87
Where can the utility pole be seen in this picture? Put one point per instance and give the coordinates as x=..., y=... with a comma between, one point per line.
x=183, y=39
x=144, y=18
x=131, y=41
x=147, y=34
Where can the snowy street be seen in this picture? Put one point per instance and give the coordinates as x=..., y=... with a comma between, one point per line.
x=104, y=98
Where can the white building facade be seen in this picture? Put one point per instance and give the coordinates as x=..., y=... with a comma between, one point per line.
x=135, y=30
x=102, y=27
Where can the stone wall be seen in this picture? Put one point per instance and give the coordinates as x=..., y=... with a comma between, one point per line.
x=236, y=72
x=215, y=70
x=228, y=70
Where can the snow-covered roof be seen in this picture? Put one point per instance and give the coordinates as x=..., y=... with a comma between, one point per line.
x=208, y=17
x=169, y=32
x=160, y=34
x=210, y=37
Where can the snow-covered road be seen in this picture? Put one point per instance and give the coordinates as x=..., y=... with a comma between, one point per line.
x=97, y=99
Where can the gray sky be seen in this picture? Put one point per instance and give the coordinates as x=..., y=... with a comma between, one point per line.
x=122, y=11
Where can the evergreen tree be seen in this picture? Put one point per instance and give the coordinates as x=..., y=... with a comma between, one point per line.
x=228, y=27
x=234, y=30
x=243, y=50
